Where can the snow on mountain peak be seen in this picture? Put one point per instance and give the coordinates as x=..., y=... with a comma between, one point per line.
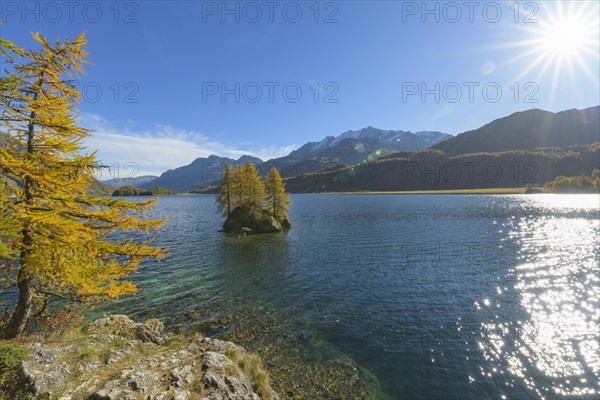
x=427, y=138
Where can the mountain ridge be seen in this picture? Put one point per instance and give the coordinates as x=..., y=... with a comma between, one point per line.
x=528, y=130
x=403, y=140
x=350, y=147
x=134, y=181
x=201, y=172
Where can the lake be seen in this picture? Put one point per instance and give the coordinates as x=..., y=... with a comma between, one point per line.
x=416, y=296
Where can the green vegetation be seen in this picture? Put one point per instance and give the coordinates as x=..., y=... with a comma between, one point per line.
x=134, y=191
x=244, y=195
x=573, y=184
x=434, y=170
x=62, y=260
x=11, y=388
x=526, y=130
x=277, y=201
x=529, y=189
x=8, y=229
x=98, y=188
x=205, y=190
x=454, y=191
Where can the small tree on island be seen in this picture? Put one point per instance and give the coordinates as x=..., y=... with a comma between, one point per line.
x=227, y=191
x=63, y=257
x=244, y=195
x=278, y=201
x=256, y=197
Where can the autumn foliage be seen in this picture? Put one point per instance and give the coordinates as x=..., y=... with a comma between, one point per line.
x=244, y=187
x=63, y=251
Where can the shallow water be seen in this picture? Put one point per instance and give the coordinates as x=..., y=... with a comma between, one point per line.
x=439, y=297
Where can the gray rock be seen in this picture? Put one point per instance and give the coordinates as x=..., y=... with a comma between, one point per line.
x=182, y=377
x=45, y=371
x=143, y=369
x=114, y=393
x=143, y=382
x=89, y=366
x=118, y=355
x=216, y=360
x=286, y=223
x=150, y=331
x=181, y=395
x=241, y=220
x=221, y=345
x=231, y=387
x=105, y=321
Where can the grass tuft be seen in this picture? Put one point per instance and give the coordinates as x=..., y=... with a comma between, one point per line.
x=252, y=366
x=11, y=385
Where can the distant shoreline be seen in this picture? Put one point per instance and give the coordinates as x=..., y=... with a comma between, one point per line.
x=453, y=191
x=433, y=192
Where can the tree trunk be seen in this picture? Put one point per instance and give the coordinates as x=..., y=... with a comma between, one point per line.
x=228, y=198
x=22, y=311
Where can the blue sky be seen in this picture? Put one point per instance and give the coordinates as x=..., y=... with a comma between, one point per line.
x=154, y=92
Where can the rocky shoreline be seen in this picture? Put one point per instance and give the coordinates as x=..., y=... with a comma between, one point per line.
x=115, y=358
x=243, y=221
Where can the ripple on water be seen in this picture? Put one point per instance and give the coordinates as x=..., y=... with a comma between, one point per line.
x=440, y=297
x=556, y=349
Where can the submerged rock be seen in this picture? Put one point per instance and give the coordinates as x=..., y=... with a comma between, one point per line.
x=150, y=365
x=243, y=220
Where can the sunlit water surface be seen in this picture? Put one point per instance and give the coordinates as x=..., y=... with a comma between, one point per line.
x=440, y=297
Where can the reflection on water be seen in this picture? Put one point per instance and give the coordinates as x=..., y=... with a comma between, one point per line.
x=557, y=351
x=435, y=297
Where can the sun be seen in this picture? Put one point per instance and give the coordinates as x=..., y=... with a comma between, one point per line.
x=565, y=34
x=564, y=38
x=568, y=34
x=561, y=41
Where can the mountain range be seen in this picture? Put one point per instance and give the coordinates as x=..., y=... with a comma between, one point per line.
x=528, y=130
x=386, y=141
x=564, y=143
x=202, y=172
x=351, y=147
x=525, y=148
x=133, y=181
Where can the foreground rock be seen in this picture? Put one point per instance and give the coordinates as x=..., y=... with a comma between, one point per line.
x=243, y=221
x=119, y=359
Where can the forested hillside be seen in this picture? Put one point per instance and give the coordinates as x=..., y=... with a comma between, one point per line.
x=436, y=170
x=528, y=130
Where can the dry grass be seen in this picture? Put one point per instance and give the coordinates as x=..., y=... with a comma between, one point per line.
x=84, y=351
x=252, y=366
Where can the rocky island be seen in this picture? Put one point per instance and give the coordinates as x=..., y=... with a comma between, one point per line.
x=135, y=191
x=253, y=205
x=241, y=220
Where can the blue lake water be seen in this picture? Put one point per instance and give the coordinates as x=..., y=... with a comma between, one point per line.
x=436, y=296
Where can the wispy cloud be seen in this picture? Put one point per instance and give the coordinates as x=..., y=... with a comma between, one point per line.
x=161, y=147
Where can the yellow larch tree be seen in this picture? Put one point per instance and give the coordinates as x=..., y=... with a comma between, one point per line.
x=253, y=188
x=227, y=191
x=278, y=200
x=70, y=249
